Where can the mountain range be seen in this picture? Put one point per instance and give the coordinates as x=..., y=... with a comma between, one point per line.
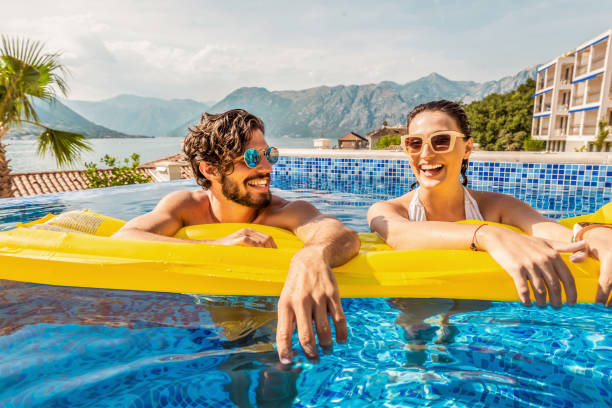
x=137, y=114
x=304, y=114
x=58, y=116
x=334, y=111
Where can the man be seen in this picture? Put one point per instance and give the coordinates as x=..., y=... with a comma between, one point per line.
x=232, y=162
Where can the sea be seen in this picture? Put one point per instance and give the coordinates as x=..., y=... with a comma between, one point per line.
x=23, y=157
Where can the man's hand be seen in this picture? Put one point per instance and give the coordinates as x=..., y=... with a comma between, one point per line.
x=310, y=293
x=246, y=237
x=600, y=247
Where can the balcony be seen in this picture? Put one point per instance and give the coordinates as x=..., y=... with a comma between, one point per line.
x=562, y=108
x=546, y=107
x=574, y=130
x=544, y=131
x=565, y=83
x=589, y=130
x=593, y=97
x=597, y=62
x=580, y=69
x=578, y=100
x=560, y=132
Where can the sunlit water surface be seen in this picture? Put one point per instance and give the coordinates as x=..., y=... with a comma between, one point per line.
x=104, y=348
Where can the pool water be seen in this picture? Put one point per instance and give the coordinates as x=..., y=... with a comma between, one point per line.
x=106, y=348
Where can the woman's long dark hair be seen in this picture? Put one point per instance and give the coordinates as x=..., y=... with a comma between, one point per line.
x=454, y=110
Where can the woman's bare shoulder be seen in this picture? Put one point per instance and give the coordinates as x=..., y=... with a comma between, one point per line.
x=398, y=205
x=492, y=205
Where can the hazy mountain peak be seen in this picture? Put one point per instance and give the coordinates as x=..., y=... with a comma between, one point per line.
x=139, y=114
x=57, y=115
x=435, y=76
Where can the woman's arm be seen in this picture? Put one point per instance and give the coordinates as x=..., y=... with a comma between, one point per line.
x=526, y=259
x=513, y=211
x=599, y=241
x=386, y=220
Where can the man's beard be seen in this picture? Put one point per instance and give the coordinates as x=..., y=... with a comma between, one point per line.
x=231, y=191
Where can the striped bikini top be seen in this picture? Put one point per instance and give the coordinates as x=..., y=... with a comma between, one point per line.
x=416, y=211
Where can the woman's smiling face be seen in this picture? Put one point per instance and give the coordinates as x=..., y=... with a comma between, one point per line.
x=436, y=169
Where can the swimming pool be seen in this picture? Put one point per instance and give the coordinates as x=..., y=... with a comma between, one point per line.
x=87, y=347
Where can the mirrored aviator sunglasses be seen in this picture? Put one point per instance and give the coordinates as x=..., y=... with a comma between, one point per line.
x=252, y=157
x=439, y=142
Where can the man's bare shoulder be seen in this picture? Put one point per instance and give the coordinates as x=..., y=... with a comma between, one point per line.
x=288, y=214
x=280, y=206
x=183, y=199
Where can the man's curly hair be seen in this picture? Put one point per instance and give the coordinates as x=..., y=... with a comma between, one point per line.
x=218, y=140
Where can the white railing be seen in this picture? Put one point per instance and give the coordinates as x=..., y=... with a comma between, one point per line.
x=581, y=70
x=563, y=108
x=597, y=63
x=588, y=129
x=578, y=100
x=593, y=97
x=559, y=132
x=575, y=130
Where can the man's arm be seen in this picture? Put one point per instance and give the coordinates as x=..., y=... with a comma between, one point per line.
x=310, y=292
x=167, y=218
x=160, y=224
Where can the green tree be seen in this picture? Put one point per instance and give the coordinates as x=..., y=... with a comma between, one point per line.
x=387, y=140
x=118, y=175
x=503, y=122
x=602, y=134
x=531, y=145
x=27, y=72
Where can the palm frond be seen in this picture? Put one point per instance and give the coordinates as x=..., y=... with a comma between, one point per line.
x=65, y=146
x=31, y=54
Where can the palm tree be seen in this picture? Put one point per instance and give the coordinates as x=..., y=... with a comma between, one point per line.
x=27, y=72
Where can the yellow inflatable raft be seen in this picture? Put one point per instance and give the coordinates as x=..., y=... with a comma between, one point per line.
x=74, y=249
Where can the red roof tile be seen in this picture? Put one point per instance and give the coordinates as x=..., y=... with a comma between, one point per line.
x=45, y=182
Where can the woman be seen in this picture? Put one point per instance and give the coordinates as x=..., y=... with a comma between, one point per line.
x=438, y=145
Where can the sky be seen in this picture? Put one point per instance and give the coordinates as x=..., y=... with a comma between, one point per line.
x=203, y=50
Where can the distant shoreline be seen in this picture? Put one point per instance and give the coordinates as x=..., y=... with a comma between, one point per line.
x=33, y=137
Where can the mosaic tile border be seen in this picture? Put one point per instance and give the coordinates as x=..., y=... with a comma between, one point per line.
x=526, y=175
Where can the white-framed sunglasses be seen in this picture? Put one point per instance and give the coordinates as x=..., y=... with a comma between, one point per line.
x=442, y=141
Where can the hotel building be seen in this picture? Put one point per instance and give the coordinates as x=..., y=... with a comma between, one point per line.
x=573, y=92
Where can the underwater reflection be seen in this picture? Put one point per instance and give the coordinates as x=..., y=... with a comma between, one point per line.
x=426, y=322
x=236, y=334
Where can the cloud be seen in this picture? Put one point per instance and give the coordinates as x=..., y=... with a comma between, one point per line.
x=206, y=49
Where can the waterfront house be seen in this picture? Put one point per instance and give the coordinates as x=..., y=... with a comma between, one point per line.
x=375, y=135
x=352, y=141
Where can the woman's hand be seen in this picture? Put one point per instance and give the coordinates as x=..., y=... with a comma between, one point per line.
x=600, y=246
x=533, y=260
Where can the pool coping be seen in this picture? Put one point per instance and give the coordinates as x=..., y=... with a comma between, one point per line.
x=480, y=155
